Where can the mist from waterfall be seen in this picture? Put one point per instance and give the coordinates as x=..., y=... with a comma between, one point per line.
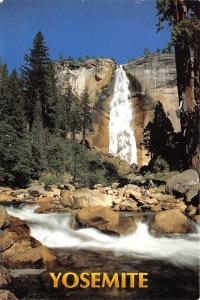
x=121, y=135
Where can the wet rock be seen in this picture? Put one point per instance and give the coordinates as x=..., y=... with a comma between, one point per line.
x=7, y=295
x=18, y=248
x=5, y=278
x=105, y=219
x=170, y=221
x=23, y=254
x=181, y=183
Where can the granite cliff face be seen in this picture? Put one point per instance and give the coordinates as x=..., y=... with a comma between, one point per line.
x=152, y=79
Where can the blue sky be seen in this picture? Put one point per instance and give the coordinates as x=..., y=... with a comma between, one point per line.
x=111, y=28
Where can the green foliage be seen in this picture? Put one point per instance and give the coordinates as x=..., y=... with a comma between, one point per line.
x=39, y=79
x=160, y=165
x=50, y=179
x=184, y=19
x=146, y=52
x=86, y=167
x=16, y=166
x=86, y=115
x=157, y=135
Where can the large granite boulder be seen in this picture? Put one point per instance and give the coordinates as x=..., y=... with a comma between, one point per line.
x=181, y=183
x=170, y=221
x=86, y=198
x=105, y=219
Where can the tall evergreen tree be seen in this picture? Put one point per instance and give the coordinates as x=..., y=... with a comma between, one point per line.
x=157, y=134
x=86, y=116
x=38, y=138
x=38, y=77
x=184, y=19
x=14, y=110
x=3, y=88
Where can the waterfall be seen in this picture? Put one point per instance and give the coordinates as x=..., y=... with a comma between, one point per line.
x=122, y=140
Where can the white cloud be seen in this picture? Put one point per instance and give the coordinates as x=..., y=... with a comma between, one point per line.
x=1, y=1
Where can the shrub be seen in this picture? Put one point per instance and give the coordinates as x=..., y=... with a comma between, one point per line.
x=160, y=165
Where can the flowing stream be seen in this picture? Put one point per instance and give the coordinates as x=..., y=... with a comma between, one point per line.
x=54, y=231
x=122, y=140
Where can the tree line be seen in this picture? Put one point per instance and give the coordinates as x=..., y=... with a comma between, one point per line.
x=36, y=117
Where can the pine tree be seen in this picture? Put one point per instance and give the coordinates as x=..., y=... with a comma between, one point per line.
x=157, y=134
x=64, y=110
x=184, y=19
x=38, y=77
x=14, y=109
x=75, y=117
x=38, y=138
x=3, y=89
x=86, y=116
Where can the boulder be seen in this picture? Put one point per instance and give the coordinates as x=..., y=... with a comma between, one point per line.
x=126, y=205
x=3, y=216
x=170, y=221
x=181, y=183
x=24, y=254
x=5, y=278
x=156, y=208
x=18, y=248
x=86, y=198
x=7, y=295
x=36, y=190
x=191, y=210
x=192, y=193
x=105, y=219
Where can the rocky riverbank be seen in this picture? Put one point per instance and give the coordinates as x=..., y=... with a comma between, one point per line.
x=117, y=210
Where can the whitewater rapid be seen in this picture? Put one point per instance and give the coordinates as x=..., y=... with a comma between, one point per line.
x=53, y=230
x=121, y=135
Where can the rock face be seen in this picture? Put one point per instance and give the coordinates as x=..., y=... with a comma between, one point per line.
x=97, y=75
x=171, y=221
x=152, y=79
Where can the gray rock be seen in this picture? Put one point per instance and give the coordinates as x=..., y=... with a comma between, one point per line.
x=183, y=182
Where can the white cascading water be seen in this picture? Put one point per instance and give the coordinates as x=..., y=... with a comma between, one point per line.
x=53, y=231
x=121, y=135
